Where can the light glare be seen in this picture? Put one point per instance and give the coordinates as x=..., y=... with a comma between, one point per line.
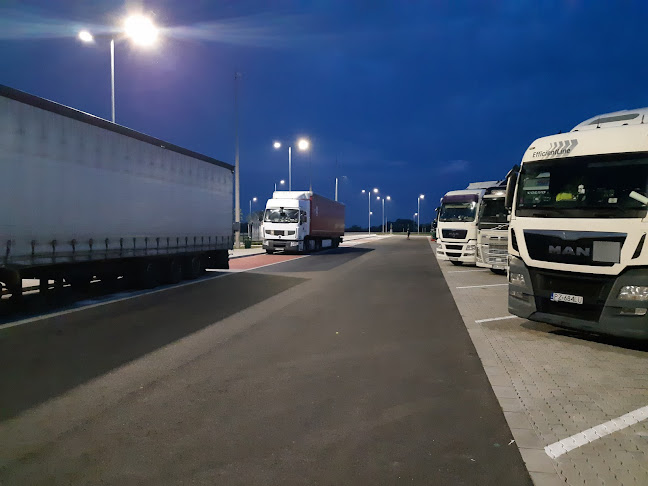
x=85, y=36
x=422, y=196
x=375, y=190
x=277, y=145
x=141, y=30
x=303, y=144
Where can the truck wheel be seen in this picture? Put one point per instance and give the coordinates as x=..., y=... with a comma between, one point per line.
x=173, y=274
x=269, y=251
x=148, y=275
x=193, y=268
x=318, y=244
x=456, y=263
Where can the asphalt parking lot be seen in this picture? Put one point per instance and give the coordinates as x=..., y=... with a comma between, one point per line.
x=576, y=404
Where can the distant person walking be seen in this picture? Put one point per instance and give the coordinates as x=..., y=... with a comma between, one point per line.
x=408, y=233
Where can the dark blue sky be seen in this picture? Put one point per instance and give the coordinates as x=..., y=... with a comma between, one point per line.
x=410, y=96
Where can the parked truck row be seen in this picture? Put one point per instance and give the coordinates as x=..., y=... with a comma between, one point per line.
x=570, y=223
x=84, y=198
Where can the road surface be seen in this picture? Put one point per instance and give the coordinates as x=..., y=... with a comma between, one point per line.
x=350, y=366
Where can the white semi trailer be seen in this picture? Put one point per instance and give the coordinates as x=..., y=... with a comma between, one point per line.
x=82, y=197
x=579, y=257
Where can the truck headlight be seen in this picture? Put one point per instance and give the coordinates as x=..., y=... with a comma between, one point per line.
x=517, y=279
x=633, y=292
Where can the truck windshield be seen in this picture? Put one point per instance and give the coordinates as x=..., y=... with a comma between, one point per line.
x=492, y=212
x=458, y=211
x=600, y=186
x=281, y=215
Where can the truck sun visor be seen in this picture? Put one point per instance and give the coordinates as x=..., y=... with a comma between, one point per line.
x=460, y=198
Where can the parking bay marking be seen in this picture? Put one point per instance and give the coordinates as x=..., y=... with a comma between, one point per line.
x=561, y=447
x=479, y=321
x=478, y=286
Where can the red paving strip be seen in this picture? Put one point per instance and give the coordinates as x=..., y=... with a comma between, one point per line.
x=256, y=261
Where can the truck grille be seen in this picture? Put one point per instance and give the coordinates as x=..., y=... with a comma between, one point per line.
x=453, y=254
x=454, y=234
x=495, y=253
x=593, y=288
x=454, y=247
x=280, y=232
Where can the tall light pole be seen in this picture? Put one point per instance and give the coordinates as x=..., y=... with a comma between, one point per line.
x=281, y=182
x=375, y=191
x=140, y=30
x=388, y=198
x=303, y=145
x=250, y=217
x=418, y=214
x=237, y=185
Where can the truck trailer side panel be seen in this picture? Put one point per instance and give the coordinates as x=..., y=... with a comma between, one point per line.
x=327, y=217
x=74, y=190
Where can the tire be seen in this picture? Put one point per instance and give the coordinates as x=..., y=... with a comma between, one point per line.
x=498, y=271
x=456, y=263
x=193, y=267
x=173, y=273
x=269, y=251
x=148, y=274
x=318, y=244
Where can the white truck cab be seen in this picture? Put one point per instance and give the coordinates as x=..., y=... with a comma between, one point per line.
x=579, y=257
x=492, y=230
x=457, y=226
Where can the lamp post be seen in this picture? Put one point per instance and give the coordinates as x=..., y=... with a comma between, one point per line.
x=388, y=198
x=140, y=30
x=254, y=199
x=281, y=182
x=303, y=145
x=375, y=191
x=418, y=214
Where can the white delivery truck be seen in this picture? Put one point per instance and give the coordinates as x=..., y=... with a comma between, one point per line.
x=457, y=226
x=492, y=230
x=579, y=257
x=82, y=197
x=302, y=221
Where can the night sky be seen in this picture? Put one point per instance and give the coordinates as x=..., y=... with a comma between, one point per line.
x=408, y=96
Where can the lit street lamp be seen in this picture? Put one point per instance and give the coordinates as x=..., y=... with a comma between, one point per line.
x=418, y=214
x=281, y=182
x=388, y=198
x=254, y=199
x=375, y=191
x=303, y=145
x=140, y=30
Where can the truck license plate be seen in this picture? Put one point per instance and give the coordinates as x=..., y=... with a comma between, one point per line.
x=571, y=299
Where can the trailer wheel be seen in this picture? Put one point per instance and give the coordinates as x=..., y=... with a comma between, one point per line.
x=193, y=267
x=456, y=263
x=173, y=273
x=148, y=275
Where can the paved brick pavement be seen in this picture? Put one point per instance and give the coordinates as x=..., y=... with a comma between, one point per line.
x=553, y=384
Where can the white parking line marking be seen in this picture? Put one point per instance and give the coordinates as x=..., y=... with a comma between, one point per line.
x=478, y=286
x=479, y=321
x=561, y=447
x=468, y=271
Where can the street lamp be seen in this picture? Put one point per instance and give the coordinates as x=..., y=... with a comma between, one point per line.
x=303, y=145
x=281, y=182
x=375, y=191
x=388, y=198
x=418, y=214
x=140, y=30
x=254, y=199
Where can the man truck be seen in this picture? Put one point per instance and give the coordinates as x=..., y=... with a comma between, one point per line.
x=457, y=227
x=84, y=198
x=579, y=257
x=302, y=221
x=492, y=230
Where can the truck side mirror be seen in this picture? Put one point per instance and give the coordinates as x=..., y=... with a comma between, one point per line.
x=511, y=181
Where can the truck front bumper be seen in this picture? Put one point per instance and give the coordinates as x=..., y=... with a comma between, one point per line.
x=283, y=245
x=602, y=312
x=462, y=251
